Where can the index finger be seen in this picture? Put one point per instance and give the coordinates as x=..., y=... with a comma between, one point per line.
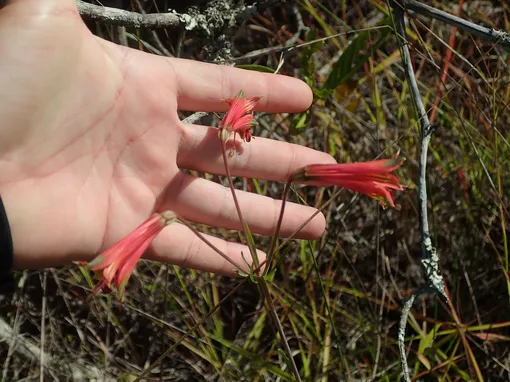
x=202, y=86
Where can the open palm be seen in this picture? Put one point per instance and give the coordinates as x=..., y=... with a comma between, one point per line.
x=91, y=143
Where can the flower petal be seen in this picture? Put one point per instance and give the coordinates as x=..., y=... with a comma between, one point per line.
x=118, y=262
x=239, y=118
x=373, y=178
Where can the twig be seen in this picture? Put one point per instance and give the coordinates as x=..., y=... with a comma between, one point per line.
x=121, y=17
x=172, y=20
x=429, y=258
x=402, y=331
x=428, y=251
x=43, y=326
x=155, y=36
x=194, y=118
x=301, y=28
x=33, y=353
x=499, y=37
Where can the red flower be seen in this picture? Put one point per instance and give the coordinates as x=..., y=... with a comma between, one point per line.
x=118, y=262
x=370, y=178
x=239, y=118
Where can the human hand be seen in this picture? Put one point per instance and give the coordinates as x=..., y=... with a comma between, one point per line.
x=91, y=144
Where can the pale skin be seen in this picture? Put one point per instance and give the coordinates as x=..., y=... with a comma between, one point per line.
x=91, y=144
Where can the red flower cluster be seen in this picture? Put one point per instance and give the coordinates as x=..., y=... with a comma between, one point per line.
x=239, y=118
x=374, y=178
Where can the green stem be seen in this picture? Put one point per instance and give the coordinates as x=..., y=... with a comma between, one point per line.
x=274, y=240
x=209, y=244
x=246, y=229
x=319, y=209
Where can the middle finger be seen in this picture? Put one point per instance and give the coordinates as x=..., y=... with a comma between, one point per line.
x=262, y=158
x=203, y=201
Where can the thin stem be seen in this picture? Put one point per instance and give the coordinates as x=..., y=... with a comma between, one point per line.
x=319, y=209
x=274, y=239
x=246, y=228
x=272, y=312
x=209, y=244
x=291, y=236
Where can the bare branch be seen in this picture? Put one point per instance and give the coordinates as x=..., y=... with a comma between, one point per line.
x=429, y=257
x=501, y=38
x=121, y=17
x=402, y=334
x=195, y=117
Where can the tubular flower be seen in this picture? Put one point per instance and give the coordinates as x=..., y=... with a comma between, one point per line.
x=239, y=118
x=372, y=178
x=118, y=262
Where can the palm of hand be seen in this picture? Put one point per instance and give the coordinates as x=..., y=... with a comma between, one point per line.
x=92, y=144
x=97, y=149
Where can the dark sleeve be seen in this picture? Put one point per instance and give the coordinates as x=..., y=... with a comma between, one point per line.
x=6, y=250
